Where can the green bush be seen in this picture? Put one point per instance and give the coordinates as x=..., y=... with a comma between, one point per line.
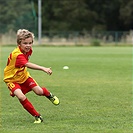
x=95, y=42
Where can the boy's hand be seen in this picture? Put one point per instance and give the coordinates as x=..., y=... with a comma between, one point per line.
x=48, y=71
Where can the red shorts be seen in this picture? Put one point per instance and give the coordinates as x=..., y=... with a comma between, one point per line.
x=24, y=87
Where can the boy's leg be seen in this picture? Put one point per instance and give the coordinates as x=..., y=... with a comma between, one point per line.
x=25, y=102
x=50, y=96
x=28, y=106
x=44, y=92
x=16, y=91
x=41, y=91
x=32, y=84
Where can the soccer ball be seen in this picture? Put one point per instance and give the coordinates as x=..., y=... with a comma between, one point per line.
x=65, y=67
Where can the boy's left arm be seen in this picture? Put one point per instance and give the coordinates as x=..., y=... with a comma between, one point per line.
x=37, y=67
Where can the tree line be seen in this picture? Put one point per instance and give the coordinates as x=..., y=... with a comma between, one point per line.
x=67, y=15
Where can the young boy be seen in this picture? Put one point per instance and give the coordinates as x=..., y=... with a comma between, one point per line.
x=18, y=79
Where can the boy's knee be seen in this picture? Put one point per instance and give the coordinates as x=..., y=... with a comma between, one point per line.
x=21, y=97
x=19, y=94
x=38, y=90
x=39, y=93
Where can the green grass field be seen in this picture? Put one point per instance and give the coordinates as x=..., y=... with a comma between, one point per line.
x=95, y=93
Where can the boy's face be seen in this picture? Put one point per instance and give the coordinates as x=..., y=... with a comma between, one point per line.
x=26, y=45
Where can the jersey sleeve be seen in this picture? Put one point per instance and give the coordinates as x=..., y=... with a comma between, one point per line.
x=20, y=61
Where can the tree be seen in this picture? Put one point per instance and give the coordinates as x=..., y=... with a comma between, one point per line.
x=67, y=15
x=126, y=14
x=16, y=14
x=64, y=15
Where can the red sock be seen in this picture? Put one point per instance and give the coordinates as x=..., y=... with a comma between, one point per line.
x=29, y=107
x=45, y=92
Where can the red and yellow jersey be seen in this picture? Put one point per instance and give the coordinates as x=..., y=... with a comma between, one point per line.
x=15, y=70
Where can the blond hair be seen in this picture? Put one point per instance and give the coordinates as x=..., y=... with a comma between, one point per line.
x=23, y=34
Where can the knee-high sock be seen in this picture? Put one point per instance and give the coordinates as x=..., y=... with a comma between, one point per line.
x=45, y=92
x=29, y=107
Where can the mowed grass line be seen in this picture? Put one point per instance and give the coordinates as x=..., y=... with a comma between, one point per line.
x=95, y=93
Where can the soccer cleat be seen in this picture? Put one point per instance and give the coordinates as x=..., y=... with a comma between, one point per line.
x=38, y=119
x=54, y=99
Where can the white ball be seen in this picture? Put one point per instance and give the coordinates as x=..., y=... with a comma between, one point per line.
x=65, y=67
